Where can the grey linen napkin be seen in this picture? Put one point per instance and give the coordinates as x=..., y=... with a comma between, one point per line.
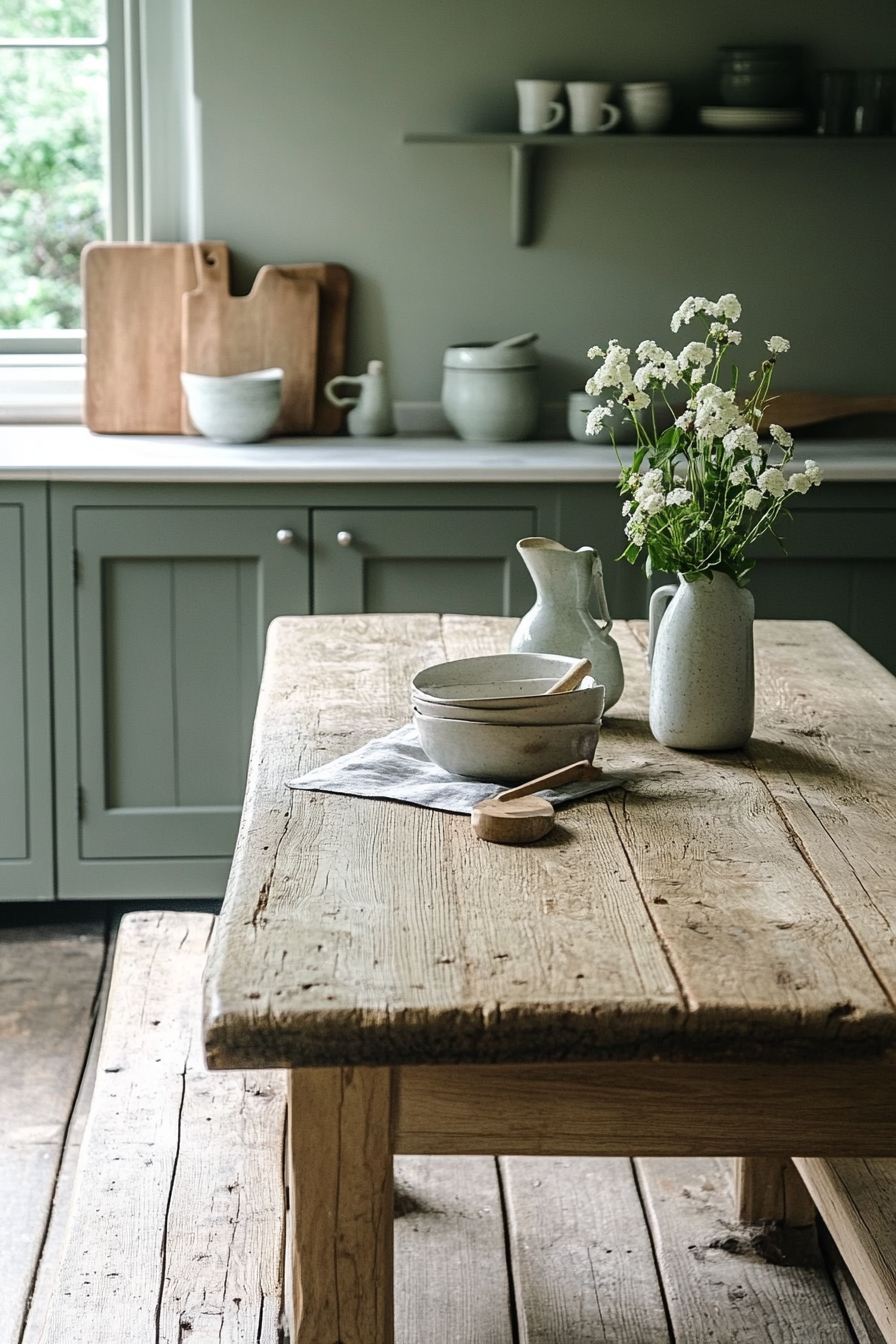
x=397, y=767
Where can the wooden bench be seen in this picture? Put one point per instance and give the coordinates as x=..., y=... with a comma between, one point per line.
x=176, y=1223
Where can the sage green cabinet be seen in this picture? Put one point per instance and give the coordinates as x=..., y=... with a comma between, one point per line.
x=26, y=795
x=158, y=654
x=134, y=615
x=421, y=559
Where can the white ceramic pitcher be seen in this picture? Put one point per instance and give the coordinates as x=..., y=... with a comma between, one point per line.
x=700, y=656
x=560, y=621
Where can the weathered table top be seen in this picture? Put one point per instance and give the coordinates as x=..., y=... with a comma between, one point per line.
x=729, y=906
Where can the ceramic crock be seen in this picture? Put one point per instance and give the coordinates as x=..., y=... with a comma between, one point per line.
x=490, y=392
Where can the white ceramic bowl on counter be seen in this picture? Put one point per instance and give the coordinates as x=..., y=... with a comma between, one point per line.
x=506, y=754
x=238, y=408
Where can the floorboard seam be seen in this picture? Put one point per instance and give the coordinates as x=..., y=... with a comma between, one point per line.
x=508, y=1257
x=656, y=1261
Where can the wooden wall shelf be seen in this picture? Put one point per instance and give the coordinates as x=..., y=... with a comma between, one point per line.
x=523, y=150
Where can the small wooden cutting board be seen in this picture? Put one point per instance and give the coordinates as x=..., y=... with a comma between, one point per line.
x=275, y=325
x=791, y=410
x=132, y=303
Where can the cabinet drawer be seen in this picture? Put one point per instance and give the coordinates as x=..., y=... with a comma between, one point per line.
x=419, y=559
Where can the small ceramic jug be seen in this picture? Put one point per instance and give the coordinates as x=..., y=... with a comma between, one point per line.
x=700, y=655
x=560, y=621
x=371, y=414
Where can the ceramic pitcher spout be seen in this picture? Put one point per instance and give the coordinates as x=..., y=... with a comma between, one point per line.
x=561, y=621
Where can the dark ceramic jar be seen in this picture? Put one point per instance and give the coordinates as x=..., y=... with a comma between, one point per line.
x=759, y=76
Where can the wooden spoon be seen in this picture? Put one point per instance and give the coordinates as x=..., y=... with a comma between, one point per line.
x=515, y=818
x=570, y=680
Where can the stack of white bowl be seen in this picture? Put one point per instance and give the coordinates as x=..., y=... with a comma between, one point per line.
x=490, y=718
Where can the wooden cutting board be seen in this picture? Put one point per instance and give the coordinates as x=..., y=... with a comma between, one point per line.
x=132, y=314
x=335, y=291
x=276, y=324
x=791, y=410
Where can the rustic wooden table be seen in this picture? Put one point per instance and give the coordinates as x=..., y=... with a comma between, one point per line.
x=703, y=962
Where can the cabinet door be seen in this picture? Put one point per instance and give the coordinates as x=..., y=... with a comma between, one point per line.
x=26, y=803
x=171, y=607
x=419, y=559
x=840, y=566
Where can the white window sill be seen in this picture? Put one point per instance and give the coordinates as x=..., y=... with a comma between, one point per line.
x=41, y=389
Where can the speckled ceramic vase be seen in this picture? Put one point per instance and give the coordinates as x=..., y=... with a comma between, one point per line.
x=701, y=664
x=560, y=621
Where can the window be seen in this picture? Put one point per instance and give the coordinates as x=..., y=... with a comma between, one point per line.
x=98, y=139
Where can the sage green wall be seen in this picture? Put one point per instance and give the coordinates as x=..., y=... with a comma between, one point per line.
x=305, y=103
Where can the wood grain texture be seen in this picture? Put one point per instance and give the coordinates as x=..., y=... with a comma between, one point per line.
x=769, y=1189
x=49, y=978
x=335, y=284
x=793, y=409
x=132, y=315
x=274, y=326
x=864, y=1326
x=450, y=1265
x=684, y=916
x=176, y=1220
x=856, y=1197
x=725, y=1282
x=619, y=1107
x=341, y=1207
x=583, y=1267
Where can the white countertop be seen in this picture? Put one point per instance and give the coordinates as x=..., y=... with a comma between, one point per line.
x=72, y=453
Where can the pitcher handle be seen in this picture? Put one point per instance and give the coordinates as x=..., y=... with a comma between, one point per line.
x=330, y=393
x=597, y=575
x=659, y=601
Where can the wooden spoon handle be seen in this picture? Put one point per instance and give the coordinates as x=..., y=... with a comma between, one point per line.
x=569, y=774
x=570, y=680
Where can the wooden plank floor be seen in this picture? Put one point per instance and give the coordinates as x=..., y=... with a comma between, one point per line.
x=488, y=1250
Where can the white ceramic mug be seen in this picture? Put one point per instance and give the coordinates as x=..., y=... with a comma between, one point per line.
x=539, y=109
x=648, y=107
x=589, y=111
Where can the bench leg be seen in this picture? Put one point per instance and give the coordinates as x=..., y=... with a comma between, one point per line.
x=769, y=1189
x=339, y=1181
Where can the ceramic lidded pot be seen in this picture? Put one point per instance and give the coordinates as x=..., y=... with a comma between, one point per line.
x=490, y=391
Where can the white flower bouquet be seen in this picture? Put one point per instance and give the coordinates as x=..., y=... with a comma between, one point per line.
x=701, y=491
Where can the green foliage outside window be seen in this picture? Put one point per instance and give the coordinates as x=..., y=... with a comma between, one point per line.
x=52, y=160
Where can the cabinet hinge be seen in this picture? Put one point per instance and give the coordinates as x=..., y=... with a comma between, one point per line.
x=76, y=565
x=82, y=806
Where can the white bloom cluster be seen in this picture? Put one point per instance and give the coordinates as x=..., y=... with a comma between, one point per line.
x=725, y=309
x=813, y=471
x=753, y=498
x=721, y=332
x=778, y=345
x=743, y=439
x=696, y=355
x=679, y=496
x=781, y=436
x=615, y=372
x=739, y=475
x=772, y=480
x=596, y=353
x=658, y=365
x=715, y=412
x=595, y=422
x=801, y=481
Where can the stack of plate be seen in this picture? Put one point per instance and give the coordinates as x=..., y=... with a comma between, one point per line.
x=490, y=718
x=745, y=119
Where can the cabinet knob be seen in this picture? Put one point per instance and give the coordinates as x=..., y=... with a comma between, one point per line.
x=286, y=536
x=344, y=538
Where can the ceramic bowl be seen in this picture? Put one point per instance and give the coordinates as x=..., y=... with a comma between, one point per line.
x=506, y=755
x=581, y=706
x=492, y=676
x=241, y=408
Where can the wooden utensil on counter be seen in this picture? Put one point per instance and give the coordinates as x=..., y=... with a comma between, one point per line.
x=792, y=410
x=515, y=818
x=275, y=326
x=132, y=314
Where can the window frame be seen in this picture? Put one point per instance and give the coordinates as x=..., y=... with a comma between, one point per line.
x=153, y=147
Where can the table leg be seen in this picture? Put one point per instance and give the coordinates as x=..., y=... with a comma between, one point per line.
x=769, y=1189
x=339, y=1225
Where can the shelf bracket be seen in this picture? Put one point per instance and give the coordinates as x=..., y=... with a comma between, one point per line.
x=522, y=166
